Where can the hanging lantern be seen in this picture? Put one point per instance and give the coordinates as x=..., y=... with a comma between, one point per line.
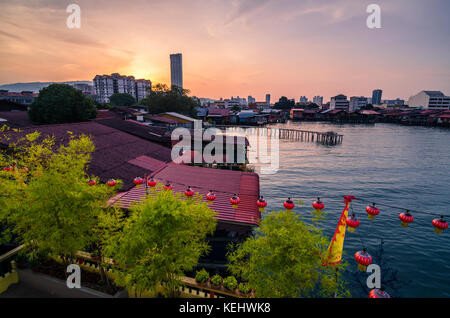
x=352, y=223
x=111, y=182
x=151, y=182
x=189, y=192
x=235, y=201
x=261, y=203
x=168, y=186
x=211, y=196
x=318, y=205
x=364, y=259
x=378, y=293
x=8, y=168
x=92, y=182
x=372, y=210
x=138, y=181
x=439, y=225
x=289, y=204
x=406, y=218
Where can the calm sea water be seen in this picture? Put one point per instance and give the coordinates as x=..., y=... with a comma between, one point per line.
x=391, y=164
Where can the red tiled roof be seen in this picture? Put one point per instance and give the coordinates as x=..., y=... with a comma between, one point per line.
x=16, y=119
x=114, y=150
x=223, y=182
x=218, y=112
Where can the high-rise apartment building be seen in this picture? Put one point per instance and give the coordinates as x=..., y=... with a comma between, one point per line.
x=303, y=100
x=268, y=99
x=318, y=100
x=376, y=96
x=176, y=70
x=250, y=99
x=107, y=85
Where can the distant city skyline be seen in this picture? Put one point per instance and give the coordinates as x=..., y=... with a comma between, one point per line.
x=310, y=48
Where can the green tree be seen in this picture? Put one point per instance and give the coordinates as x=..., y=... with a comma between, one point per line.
x=284, y=103
x=163, y=99
x=46, y=199
x=61, y=103
x=122, y=99
x=283, y=259
x=163, y=237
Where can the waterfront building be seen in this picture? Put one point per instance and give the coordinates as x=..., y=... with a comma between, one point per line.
x=23, y=98
x=339, y=102
x=107, y=85
x=357, y=103
x=176, y=70
x=376, y=96
x=433, y=100
x=318, y=100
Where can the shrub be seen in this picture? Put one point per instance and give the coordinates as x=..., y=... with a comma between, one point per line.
x=216, y=280
x=244, y=288
x=230, y=283
x=202, y=276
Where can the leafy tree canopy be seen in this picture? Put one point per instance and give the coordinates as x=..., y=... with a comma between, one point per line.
x=284, y=103
x=283, y=259
x=122, y=99
x=163, y=237
x=46, y=199
x=164, y=99
x=61, y=103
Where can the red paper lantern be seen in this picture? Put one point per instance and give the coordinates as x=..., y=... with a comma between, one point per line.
x=406, y=218
x=151, y=182
x=235, y=201
x=92, y=182
x=210, y=196
x=9, y=168
x=261, y=203
x=372, y=210
x=138, y=181
x=439, y=225
x=111, y=182
x=168, y=186
x=378, y=293
x=318, y=205
x=352, y=223
x=289, y=204
x=189, y=192
x=364, y=259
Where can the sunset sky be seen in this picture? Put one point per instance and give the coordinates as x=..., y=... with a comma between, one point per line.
x=235, y=47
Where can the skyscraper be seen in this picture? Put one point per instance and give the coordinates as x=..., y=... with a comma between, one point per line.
x=268, y=99
x=176, y=70
x=376, y=96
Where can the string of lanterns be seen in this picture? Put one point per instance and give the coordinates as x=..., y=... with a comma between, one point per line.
x=352, y=222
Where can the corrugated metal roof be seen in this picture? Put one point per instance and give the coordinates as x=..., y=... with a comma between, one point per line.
x=223, y=182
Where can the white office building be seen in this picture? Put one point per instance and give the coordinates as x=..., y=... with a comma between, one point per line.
x=339, y=102
x=176, y=70
x=107, y=85
x=357, y=102
x=433, y=100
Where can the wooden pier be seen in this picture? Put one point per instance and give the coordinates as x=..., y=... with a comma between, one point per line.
x=329, y=138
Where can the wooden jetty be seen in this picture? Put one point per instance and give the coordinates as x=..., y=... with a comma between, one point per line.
x=329, y=138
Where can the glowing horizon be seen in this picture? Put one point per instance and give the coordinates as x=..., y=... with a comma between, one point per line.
x=234, y=48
